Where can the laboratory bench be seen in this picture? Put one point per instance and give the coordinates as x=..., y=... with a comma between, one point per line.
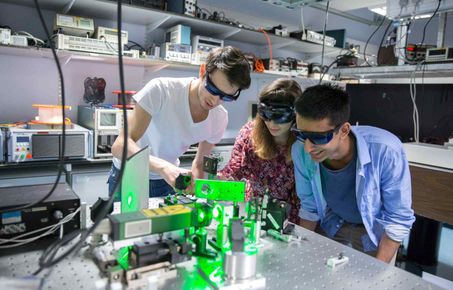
x=298, y=264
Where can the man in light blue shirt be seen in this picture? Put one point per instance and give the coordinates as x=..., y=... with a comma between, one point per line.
x=353, y=181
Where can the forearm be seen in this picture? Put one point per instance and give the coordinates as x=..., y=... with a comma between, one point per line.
x=387, y=249
x=197, y=169
x=204, y=149
x=159, y=165
x=117, y=147
x=155, y=164
x=309, y=225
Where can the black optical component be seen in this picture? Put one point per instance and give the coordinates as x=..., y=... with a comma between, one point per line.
x=279, y=113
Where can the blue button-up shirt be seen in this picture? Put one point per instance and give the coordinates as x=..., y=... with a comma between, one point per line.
x=383, y=187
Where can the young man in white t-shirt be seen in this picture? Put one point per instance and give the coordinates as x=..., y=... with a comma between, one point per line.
x=173, y=113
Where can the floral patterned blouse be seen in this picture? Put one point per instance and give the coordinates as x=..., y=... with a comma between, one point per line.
x=275, y=175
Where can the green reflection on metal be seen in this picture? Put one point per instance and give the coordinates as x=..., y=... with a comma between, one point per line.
x=200, y=216
x=218, y=211
x=251, y=249
x=123, y=257
x=129, y=202
x=212, y=270
x=135, y=182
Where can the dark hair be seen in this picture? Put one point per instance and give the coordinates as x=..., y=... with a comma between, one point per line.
x=233, y=63
x=324, y=101
x=280, y=91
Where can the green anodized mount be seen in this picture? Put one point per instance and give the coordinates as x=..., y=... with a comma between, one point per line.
x=220, y=190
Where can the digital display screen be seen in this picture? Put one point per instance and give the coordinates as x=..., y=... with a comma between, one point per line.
x=114, y=32
x=208, y=42
x=108, y=119
x=22, y=139
x=437, y=52
x=110, y=32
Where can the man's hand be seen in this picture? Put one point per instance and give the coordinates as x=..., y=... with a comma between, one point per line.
x=171, y=172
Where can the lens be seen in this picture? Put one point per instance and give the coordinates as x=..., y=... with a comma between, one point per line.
x=213, y=90
x=319, y=139
x=226, y=98
x=265, y=115
x=282, y=118
x=278, y=115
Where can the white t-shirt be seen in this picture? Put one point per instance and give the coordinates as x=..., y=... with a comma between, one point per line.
x=172, y=129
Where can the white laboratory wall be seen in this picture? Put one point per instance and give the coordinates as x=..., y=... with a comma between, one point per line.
x=29, y=80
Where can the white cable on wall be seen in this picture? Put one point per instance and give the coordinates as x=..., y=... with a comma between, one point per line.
x=302, y=21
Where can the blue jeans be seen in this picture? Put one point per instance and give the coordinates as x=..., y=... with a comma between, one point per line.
x=157, y=187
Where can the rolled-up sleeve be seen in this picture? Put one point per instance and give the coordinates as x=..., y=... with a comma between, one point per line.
x=308, y=209
x=397, y=215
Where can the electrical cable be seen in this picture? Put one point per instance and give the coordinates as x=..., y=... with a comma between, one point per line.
x=49, y=230
x=398, y=48
x=49, y=257
x=16, y=238
x=404, y=57
x=324, y=34
x=326, y=70
x=67, y=7
x=109, y=45
x=426, y=25
x=61, y=151
x=269, y=43
x=337, y=58
x=413, y=84
x=382, y=40
x=302, y=22
x=198, y=8
x=136, y=44
x=413, y=94
x=369, y=38
x=29, y=36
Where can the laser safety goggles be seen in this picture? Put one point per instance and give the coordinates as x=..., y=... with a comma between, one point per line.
x=279, y=113
x=317, y=138
x=213, y=90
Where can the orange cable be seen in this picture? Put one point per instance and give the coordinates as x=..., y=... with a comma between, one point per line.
x=268, y=42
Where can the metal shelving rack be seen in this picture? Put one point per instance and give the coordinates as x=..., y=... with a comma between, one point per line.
x=153, y=19
x=151, y=64
x=403, y=71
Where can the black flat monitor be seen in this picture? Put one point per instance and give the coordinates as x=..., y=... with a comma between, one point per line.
x=389, y=106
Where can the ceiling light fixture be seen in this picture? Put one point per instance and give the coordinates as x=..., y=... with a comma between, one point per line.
x=382, y=10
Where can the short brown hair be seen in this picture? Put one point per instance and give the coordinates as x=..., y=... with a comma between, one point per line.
x=232, y=62
x=281, y=91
